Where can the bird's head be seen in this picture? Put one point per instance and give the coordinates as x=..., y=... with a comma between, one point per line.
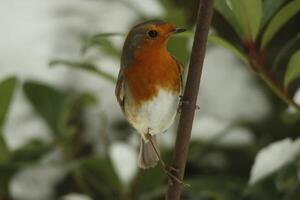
x=151, y=35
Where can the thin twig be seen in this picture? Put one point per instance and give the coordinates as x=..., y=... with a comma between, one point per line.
x=205, y=13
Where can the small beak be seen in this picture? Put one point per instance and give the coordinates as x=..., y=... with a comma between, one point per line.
x=178, y=30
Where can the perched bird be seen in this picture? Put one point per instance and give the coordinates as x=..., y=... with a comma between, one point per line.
x=149, y=85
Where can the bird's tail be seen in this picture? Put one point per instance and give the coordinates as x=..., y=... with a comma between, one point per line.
x=148, y=156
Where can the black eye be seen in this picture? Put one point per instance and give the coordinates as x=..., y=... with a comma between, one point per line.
x=152, y=34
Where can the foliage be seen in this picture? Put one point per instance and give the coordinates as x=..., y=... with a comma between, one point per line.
x=262, y=34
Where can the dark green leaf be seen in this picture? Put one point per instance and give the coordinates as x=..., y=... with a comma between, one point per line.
x=7, y=88
x=148, y=181
x=282, y=181
x=71, y=122
x=63, y=114
x=222, y=7
x=291, y=118
x=286, y=179
x=264, y=189
x=283, y=16
x=47, y=101
x=285, y=52
x=84, y=66
x=293, y=69
x=4, y=152
x=294, y=194
x=97, y=177
x=6, y=173
x=31, y=151
x=215, y=187
x=270, y=7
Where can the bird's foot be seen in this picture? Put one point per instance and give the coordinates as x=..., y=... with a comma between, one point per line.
x=184, y=102
x=172, y=178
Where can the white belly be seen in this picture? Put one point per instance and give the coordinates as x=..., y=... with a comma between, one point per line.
x=153, y=116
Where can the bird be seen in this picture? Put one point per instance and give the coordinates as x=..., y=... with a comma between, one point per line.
x=149, y=85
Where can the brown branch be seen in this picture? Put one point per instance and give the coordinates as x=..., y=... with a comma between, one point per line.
x=205, y=13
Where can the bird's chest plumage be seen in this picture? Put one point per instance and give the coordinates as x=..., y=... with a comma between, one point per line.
x=149, y=73
x=152, y=94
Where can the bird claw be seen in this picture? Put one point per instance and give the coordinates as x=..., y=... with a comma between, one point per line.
x=172, y=169
x=184, y=102
x=172, y=178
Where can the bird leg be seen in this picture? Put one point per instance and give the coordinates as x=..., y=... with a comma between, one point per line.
x=166, y=169
x=184, y=102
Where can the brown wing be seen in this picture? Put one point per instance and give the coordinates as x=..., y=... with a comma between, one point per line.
x=180, y=67
x=119, y=91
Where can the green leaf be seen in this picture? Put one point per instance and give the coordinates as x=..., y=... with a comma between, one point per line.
x=85, y=99
x=179, y=46
x=6, y=173
x=270, y=7
x=101, y=41
x=173, y=13
x=97, y=177
x=100, y=36
x=47, y=101
x=219, y=41
x=230, y=47
x=7, y=88
x=83, y=66
x=248, y=14
x=63, y=114
x=283, y=16
x=223, y=8
x=285, y=52
x=71, y=123
x=293, y=69
x=4, y=152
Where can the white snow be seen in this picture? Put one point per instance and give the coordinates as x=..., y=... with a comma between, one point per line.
x=75, y=196
x=229, y=90
x=36, y=183
x=221, y=132
x=297, y=96
x=273, y=157
x=124, y=158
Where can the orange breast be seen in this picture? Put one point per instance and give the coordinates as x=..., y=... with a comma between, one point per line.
x=150, y=71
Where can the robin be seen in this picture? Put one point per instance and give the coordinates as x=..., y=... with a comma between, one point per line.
x=149, y=85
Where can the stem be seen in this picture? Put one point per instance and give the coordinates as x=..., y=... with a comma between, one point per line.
x=205, y=13
x=256, y=61
x=276, y=89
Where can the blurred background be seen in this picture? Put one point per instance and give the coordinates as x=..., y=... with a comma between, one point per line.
x=63, y=135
